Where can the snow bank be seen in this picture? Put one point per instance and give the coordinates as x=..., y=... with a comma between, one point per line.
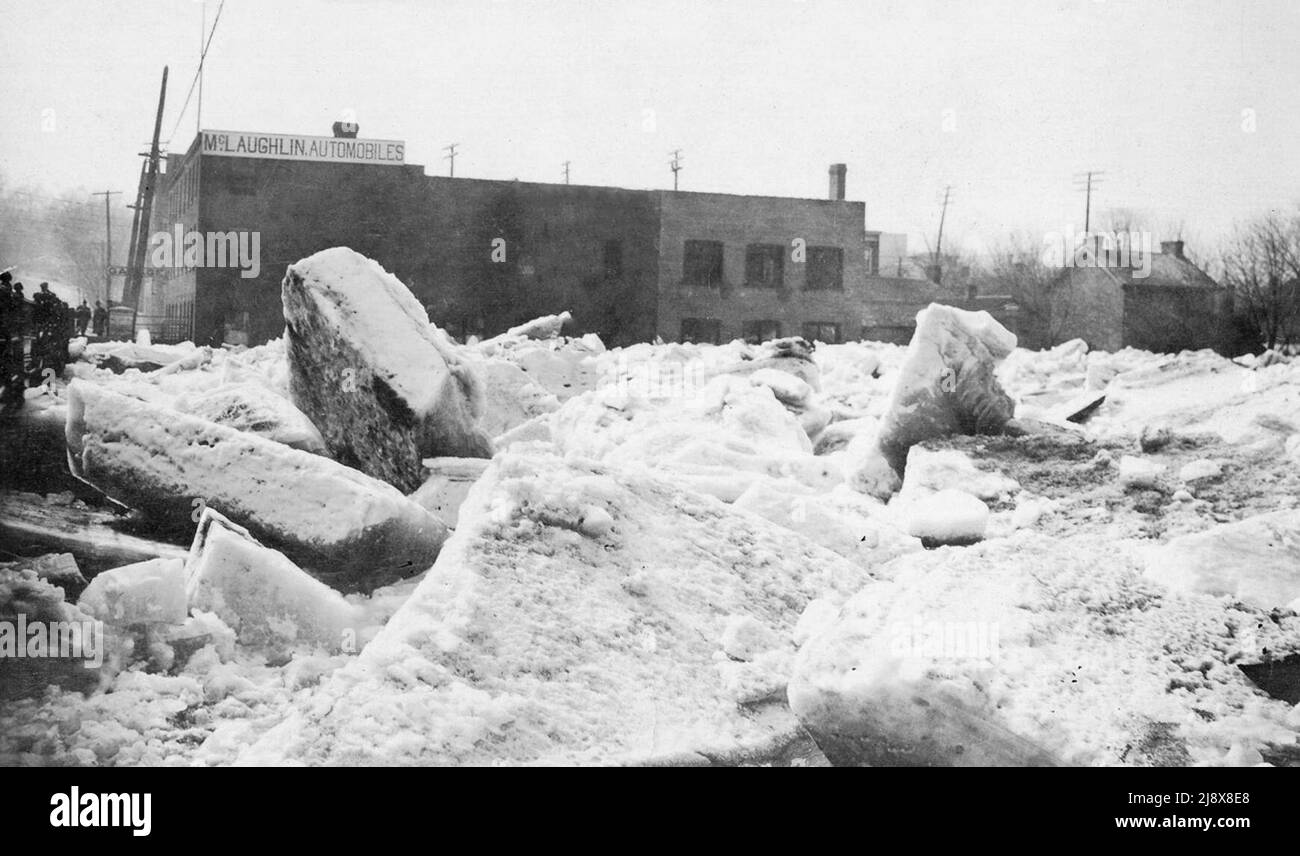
x=540, y=639
x=1031, y=650
x=1256, y=560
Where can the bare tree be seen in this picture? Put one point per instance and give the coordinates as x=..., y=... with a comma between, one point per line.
x=1017, y=267
x=1261, y=265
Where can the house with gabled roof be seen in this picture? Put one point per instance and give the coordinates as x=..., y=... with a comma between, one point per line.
x=1166, y=303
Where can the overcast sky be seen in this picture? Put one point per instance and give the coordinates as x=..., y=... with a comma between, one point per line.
x=1006, y=101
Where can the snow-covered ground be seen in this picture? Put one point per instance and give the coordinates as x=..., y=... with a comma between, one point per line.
x=667, y=561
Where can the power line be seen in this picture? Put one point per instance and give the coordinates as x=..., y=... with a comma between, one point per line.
x=197, y=72
x=450, y=157
x=675, y=165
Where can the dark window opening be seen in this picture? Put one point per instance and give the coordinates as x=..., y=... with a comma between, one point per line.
x=825, y=269
x=703, y=264
x=894, y=335
x=764, y=266
x=822, y=331
x=873, y=256
x=613, y=259
x=756, y=332
x=706, y=331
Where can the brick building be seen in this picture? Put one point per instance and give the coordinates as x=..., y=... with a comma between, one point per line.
x=1175, y=306
x=484, y=255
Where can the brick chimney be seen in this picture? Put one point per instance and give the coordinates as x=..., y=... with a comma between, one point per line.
x=838, y=171
x=1172, y=248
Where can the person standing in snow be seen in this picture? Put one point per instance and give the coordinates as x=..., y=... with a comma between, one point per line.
x=83, y=318
x=100, y=321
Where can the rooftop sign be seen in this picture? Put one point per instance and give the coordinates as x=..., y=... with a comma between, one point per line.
x=240, y=144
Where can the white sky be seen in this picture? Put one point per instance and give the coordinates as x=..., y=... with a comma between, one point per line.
x=761, y=95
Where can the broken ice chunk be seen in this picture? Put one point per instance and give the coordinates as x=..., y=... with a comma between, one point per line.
x=151, y=592
x=269, y=601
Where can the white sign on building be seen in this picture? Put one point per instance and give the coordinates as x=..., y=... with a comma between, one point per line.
x=241, y=144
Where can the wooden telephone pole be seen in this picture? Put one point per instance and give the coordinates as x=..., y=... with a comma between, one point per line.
x=108, y=240
x=675, y=165
x=140, y=228
x=937, y=264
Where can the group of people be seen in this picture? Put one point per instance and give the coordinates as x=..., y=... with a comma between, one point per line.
x=47, y=322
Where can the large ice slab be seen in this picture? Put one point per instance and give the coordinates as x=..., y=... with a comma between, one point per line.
x=385, y=387
x=342, y=525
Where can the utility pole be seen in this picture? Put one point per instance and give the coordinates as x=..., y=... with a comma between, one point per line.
x=566, y=172
x=135, y=276
x=450, y=157
x=1084, y=181
x=203, y=32
x=675, y=165
x=108, y=241
x=938, y=242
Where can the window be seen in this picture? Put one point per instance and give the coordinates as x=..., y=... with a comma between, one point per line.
x=764, y=266
x=873, y=255
x=704, y=330
x=896, y=335
x=825, y=269
x=703, y=264
x=822, y=331
x=756, y=332
x=613, y=259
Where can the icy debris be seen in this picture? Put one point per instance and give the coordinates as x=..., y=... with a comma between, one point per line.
x=719, y=442
x=1031, y=650
x=383, y=385
x=342, y=525
x=254, y=408
x=946, y=386
x=947, y=517
x=1199, y=469
x=930, y=471
x=1137, y=472
x=1030, y=510
x=151, y=592
x=447, y=486
x=1182, y=495
x=511, y=397
x=266, y=599
x=745, y=638
x=1256, y=560
x=530, y=644
x=45, y=641
x=546, y=327
x=58, y=569
x=792, y=355
x=845, y=523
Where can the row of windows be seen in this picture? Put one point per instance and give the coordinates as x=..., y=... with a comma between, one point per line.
x=709, y=331
x=703, y=266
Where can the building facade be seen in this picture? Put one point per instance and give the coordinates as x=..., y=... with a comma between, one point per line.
x=484, y=255
x=1171, y=307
